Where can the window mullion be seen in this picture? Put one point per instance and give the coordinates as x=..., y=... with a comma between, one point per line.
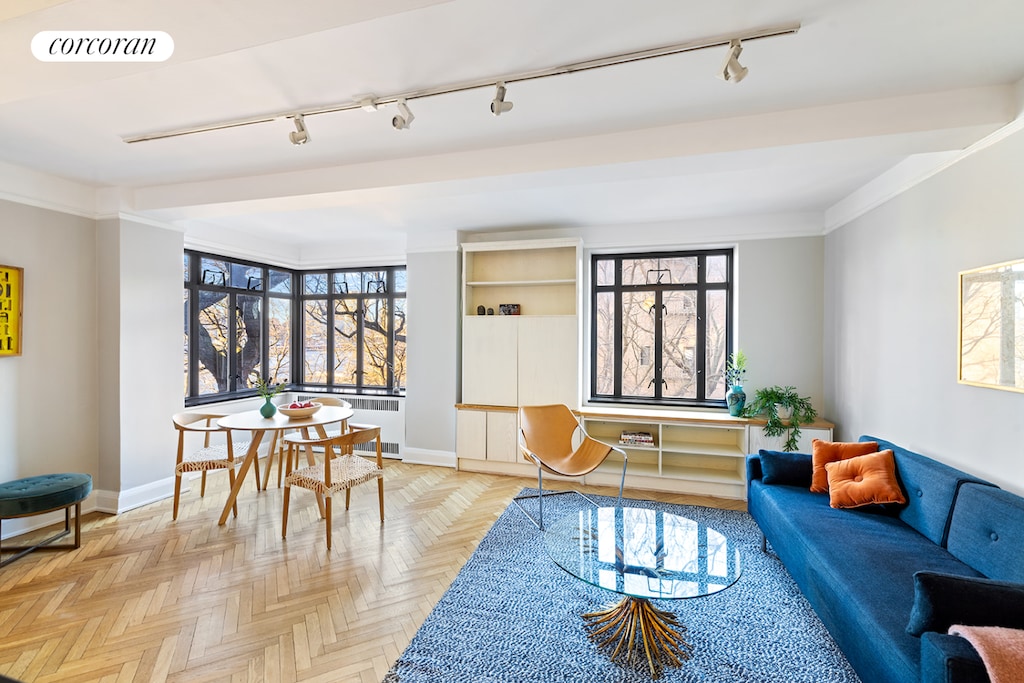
x=659, y=340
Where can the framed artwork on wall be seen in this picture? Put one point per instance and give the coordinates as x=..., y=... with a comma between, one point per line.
x=11, y=285
x=992, y=326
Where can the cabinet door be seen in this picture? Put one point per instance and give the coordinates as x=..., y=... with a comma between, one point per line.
x=548, y=361
x=471, y=434
x=501, y=436
x=489, y=360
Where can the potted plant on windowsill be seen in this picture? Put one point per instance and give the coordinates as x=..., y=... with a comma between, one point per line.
x=773, y=403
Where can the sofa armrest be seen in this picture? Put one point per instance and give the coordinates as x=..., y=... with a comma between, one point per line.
x=754, y=467
x=950, y=659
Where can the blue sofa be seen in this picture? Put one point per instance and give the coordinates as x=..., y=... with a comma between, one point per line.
x=874, y=575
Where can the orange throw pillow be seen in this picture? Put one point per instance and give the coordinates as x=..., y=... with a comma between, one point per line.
x=863, y=480
x=823, y=452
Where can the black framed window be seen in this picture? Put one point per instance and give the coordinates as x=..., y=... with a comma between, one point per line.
x=244, y=320
x=661, y=327
x=354, y=329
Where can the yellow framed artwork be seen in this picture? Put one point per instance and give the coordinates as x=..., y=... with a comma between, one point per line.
x=11, y=286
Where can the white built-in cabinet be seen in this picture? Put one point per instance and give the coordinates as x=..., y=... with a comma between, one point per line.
x=533, y=357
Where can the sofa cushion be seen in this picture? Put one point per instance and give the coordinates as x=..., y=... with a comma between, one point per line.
x=789, y=468
x=941, y=600
x=987, y=531
x=864, y=480
x=930, y=487
x=824, y=452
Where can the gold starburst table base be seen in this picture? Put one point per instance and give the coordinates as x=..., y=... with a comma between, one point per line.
x=633, y=626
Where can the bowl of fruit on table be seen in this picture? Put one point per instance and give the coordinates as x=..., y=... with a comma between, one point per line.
x=298, y=409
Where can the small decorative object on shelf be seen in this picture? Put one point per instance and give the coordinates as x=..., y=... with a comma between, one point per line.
x=490, y=311
x=769, y=401
x=735, y=371
x=480, y=310
x=267, y=391
x=628, y=438
x=508, y=309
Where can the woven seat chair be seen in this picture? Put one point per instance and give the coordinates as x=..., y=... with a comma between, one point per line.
x=546, y=438
x=209, y=457
x=280, y=445
x=340, y=471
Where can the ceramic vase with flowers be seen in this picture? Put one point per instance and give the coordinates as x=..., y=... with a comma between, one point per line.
x=268, y=391
x=735, y=371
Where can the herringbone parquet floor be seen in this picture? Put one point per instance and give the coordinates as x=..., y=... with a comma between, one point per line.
x=150, y=599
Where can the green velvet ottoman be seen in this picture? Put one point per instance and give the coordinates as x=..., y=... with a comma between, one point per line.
x=45, y=493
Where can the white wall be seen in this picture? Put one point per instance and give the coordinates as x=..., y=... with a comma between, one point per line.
x=891, y=316
x=433, y=376
x=48, y=405
x=779, y=301
x=151, y=354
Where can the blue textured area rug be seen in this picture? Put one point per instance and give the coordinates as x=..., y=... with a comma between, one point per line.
x=512, y=615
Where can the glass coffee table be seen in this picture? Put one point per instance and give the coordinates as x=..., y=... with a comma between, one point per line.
x=643, y=554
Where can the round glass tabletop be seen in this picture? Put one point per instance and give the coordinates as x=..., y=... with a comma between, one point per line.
x=644, y=553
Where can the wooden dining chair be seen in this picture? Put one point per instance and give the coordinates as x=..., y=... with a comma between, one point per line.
x=340, y=471
x=546, y=438
x=210, y=456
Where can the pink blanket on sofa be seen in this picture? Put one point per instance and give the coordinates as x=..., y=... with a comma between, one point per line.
x=1002, y=650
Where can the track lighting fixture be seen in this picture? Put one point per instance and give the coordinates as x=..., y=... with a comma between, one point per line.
x=404, y=117
x=732, y=70
x=498, y=104
x=300, y=135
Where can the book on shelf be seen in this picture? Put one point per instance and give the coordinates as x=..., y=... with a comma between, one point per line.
x=628, y=438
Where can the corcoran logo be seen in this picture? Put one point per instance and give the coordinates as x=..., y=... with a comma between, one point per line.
x=102, y=46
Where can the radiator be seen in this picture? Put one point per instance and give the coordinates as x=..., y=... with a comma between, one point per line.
x=388, y=413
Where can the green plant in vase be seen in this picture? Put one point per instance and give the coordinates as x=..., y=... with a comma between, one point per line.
x=770, y=400
x=268, y=391
x=735, y=372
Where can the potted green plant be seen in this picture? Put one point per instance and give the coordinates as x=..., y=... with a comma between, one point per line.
x=735, y=372
x=267, y=391
x=773, y=403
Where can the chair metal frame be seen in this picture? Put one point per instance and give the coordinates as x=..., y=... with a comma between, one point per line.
x=580, y=433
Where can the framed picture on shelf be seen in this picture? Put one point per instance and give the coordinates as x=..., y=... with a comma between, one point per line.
x=11, y=279
x=508, y=309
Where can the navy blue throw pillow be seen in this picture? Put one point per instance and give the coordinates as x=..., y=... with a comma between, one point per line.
x=780, y=467
x=941, y=600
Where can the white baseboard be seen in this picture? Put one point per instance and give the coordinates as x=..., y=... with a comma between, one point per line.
x=116, y=502
x=425, y=456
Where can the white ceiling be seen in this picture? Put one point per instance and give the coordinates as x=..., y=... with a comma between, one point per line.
x=863, y=86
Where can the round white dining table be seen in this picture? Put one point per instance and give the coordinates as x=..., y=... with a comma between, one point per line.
x=253, y=421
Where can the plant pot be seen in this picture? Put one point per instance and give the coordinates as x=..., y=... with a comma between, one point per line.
x=736, y=398
x=784, y=412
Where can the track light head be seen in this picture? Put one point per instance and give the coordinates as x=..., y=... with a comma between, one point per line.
x=404, y=118
x=498, y=105
x=732, y=71
x=300, y=135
